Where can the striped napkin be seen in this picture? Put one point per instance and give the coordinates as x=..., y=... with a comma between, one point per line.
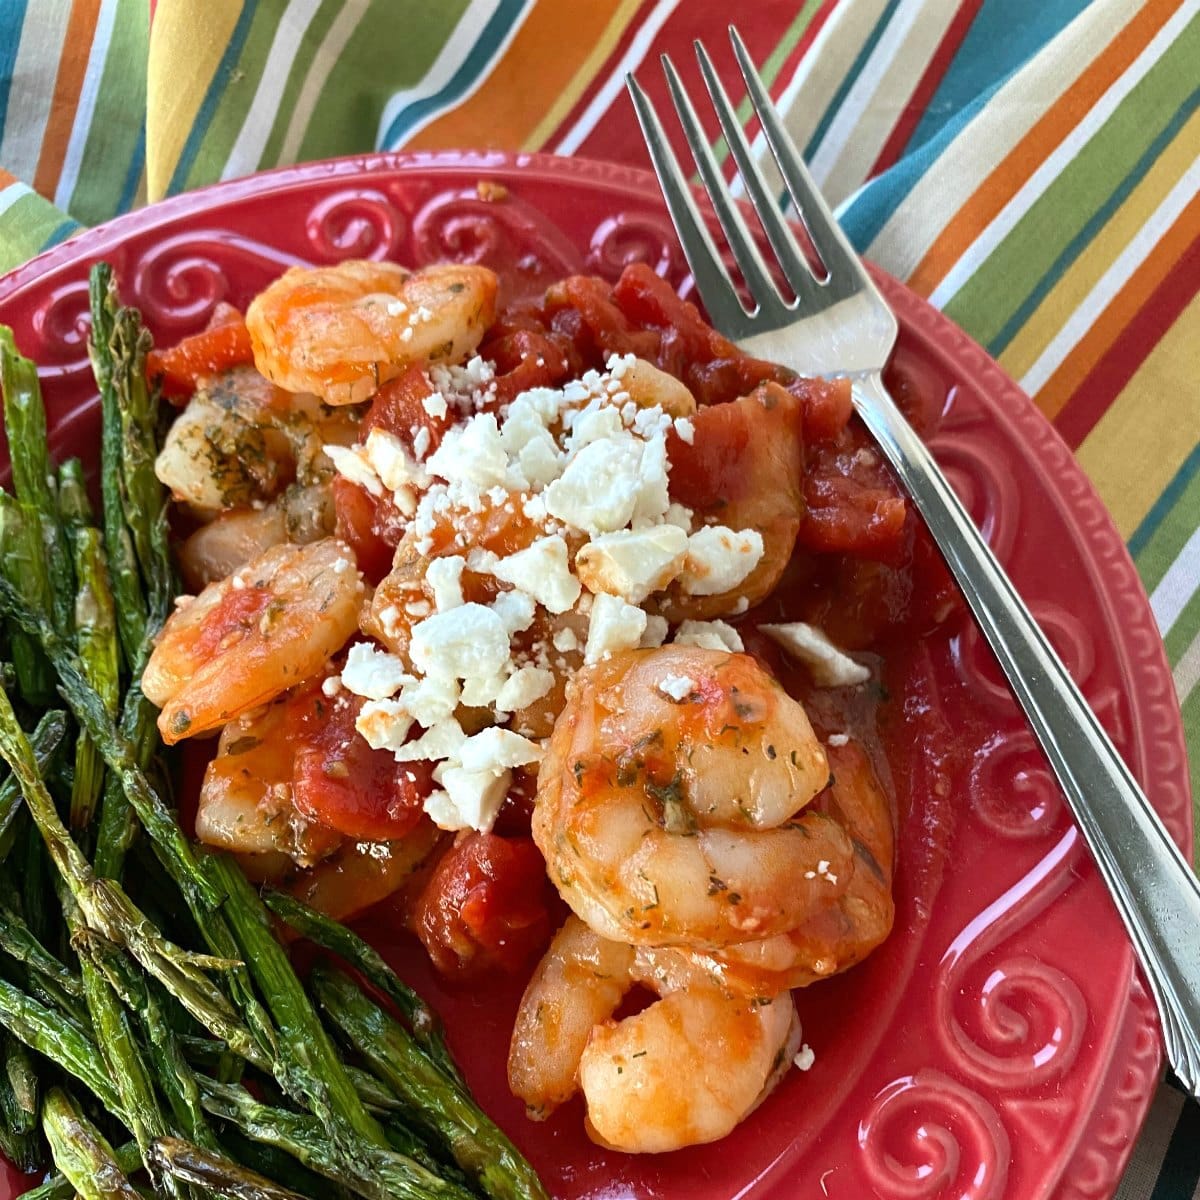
x=1031, y=166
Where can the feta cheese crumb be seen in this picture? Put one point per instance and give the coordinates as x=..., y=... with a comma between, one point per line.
x=351, y=463
x=805, y=1058
x=565, y=640
x=515, y=609
x=373, y=673
x=384, y=724
x=838, y=739
x=656, y=632
x=331, y=686
x=473, y=453
x=466, y=642
x=435, y=404
x=526, y=686
x=598, y=491
x=632, y=563
x=827, y=664
x=614, y=625
x=389, y=460
x=497, y=749
x=718, y=559
x=685, y=429
x=442, y=741
x=469, y=799
x=444, y=576
x=709, y=635
x=677, y=687
x=542, y=570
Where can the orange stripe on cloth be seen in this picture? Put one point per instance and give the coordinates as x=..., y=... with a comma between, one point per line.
x=7, y=179
x=1062, y=386
x=72, y=67
x=1011, y=173
x=536, y=68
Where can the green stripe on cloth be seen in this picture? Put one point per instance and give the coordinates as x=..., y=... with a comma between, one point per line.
x=115, y=150
x=1034, y=247
x=310, y=47
x=395, y=44
x=1146, y=534
x=28, y=224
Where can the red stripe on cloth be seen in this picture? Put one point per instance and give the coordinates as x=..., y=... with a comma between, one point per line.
x=1121, y=361
x=918, y=102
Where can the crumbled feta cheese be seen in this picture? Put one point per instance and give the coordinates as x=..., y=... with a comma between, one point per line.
x=389, y=460
x=496, y=749
x=565, y=640
x=465, y=642
x=473, y=453
x=656, y=632
x=614, y=626
x=351, y=463
x=838, y=739
x=515, y=609
x=435, y=404
x=526, y=686
x=686, y=429
x=709, y=635
x=594, y=424
x=677, y=514
x=432, y=699
x=598, y=491
x=632, y=563
x=442, y=741
x=469, y=799
x=653, y=498
x=543, y=571
x=384, y=724
x=805, y=1058
x=372, y=673
x=331, y=686
x=444, y=576
x=677, y=687
x=827, y=664
x=481, y=690
x=718, y=559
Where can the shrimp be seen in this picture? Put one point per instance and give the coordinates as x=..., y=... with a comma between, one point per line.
x=840, y=935
x=299, y=514
x=744, y=469
x=241, y=440
x=246, y=639
x=246, y=801
x=668, y=803
x=341, y=331
x=683, y=1071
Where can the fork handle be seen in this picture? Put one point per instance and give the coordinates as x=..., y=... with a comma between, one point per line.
x=1155, y=891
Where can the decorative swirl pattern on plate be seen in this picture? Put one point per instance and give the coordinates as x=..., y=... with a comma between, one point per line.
x=1012, y=790
x=927, y=1137
x=992, y=498
x=355, y=223
x=635, y=237
x=180, y=280
x=60, y=325
x=1019, y=1021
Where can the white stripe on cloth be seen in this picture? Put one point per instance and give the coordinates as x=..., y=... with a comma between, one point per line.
x=246, y=154
x=328, y=52
x=945, y=188
x=12, y=193
x=807, y=95
x=1142, y=1173
x=1187, y=671
x=867, y=115
x=31, y=91
x=86, y=109
x=1177, y=586
x=1051, y=167
x=614, y=85
x=1109, y=285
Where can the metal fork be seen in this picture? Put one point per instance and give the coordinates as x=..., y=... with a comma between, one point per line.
x=841, y=326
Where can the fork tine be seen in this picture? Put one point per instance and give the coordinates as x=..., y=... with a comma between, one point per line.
x=791, y=258
x=713, y=283
x=836, y=252
x=758, y=279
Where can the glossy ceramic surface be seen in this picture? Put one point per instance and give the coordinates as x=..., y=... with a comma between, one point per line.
x=1000, y=1044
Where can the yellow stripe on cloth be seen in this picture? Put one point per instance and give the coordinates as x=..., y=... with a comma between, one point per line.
x=186, y=45
x=1056, y=340
x=1126, y=455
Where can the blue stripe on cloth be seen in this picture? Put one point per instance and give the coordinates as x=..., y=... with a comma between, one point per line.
x=847, y=83
x=1084, y=237
x=12, y=17
x=61, y=232
x=137, y=163
x=1163, y=505
x=216, y=89
x=470, y=71
x=1004, y=35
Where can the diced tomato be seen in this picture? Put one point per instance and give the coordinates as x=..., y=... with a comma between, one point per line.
x=486, y=906
x=341, y=782
x=224, y=344
x=356, y=511
x=399, y=409
x=826, y=406
x=527, y=359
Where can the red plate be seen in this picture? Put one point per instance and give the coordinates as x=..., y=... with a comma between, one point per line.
x=1000, y=1044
